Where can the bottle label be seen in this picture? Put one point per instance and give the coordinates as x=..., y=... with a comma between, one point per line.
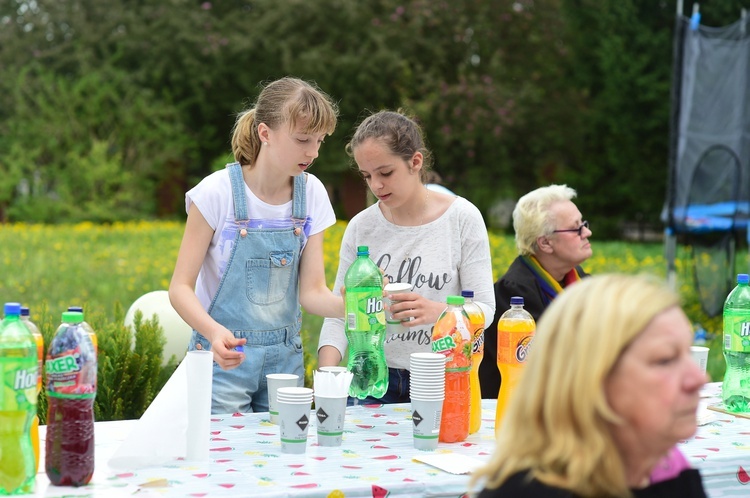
x=364, y=311
x=478, y=345
x=513, y=346
x=71, y=364
x=736, y=334
x=18, y=384
x=451, y=337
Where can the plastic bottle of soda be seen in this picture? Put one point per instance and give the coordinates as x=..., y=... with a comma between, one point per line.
x=39, y=340
x=452, y=337
x=71, y=388
x=88, y=328
x=476, y=321
x=365, y=327
x=735, y=391
x=18, y=374
x=515, y=332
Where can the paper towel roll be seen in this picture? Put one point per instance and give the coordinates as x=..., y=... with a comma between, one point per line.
x=199, y=378
x=160, y=436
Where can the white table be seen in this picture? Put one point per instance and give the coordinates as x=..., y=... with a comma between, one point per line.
x=377, y=453
x=375, y=458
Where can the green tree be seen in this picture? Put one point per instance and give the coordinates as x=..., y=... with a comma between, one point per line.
x=621, y=69
x=89, y=148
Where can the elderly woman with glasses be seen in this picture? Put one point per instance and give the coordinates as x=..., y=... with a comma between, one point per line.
x=552, y=241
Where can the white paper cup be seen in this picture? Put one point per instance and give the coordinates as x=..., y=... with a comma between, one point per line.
x=426, y=396
x=700, y=356
x=329, y=415
x=275, y=381
x=333, y=370
x=393, y=289
x=425, y=416
x=294, y=422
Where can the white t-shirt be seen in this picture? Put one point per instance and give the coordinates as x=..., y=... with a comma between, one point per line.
x=213, y=198
x=439, y=259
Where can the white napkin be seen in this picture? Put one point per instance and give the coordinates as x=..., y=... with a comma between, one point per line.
x=161, y=434
x=331, y=385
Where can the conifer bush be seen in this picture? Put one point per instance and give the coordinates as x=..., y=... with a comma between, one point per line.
x=129, y=372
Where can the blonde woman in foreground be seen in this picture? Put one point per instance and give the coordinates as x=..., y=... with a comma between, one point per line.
x=607, y=393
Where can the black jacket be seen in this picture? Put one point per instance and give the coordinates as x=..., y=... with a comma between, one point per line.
x=518, y=280
x=686, y=485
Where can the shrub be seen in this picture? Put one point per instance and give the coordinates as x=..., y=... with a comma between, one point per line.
x=130, y=371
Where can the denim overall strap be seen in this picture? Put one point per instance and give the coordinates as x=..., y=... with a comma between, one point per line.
x=299, y=198
x=238, y=191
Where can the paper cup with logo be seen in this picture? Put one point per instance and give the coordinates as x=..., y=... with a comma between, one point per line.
x=393, y=289
x=329, y=416
x=425, y=417
x=700, y=356
x=294, y=418
x=275, y=381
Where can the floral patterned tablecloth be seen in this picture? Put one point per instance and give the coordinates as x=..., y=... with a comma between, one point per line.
x=720, y=448
x=376, y=459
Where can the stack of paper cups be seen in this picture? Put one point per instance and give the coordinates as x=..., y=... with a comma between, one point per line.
x=427, y=392
x=294, y=405
x=275, y=381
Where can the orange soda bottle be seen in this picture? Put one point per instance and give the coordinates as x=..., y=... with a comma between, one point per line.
x=515, y=332
x=39, y=340
x=451, y=336
x=476, y=322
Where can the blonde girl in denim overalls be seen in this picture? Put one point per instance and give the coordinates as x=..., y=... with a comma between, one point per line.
x=252, y=251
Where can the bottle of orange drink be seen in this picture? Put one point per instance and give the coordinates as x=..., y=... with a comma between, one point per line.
x=515, y=332
x=39, y=340
x=476, y=322
x=451, y=336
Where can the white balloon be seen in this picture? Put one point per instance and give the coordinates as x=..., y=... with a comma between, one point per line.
x=176, y=331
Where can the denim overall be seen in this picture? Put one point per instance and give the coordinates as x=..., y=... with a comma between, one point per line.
x=258, y=299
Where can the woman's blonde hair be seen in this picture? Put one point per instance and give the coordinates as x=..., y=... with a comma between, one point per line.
x=557, y=424
x=531, y=216
x=398, y=132
x=286, y=101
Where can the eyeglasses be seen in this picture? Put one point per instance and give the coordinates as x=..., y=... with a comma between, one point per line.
x=585, y=224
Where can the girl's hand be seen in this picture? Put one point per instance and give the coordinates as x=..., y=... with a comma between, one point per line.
x=413, y=309
x=223, y=348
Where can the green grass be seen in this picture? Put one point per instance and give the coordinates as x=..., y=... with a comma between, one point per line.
x=102, y=267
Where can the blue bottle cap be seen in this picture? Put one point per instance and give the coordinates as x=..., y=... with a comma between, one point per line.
x=743, y=278
x=25, y=311
x=467, y=293
x=516, y=300
x=12, y=309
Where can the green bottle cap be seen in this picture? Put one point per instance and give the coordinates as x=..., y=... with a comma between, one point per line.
x=72, y=317
x=363, y=250
x=455, y=300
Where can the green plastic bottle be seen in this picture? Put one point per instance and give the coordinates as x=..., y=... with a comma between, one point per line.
x=735, y=391
x=365, y=327
x=18, y=379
